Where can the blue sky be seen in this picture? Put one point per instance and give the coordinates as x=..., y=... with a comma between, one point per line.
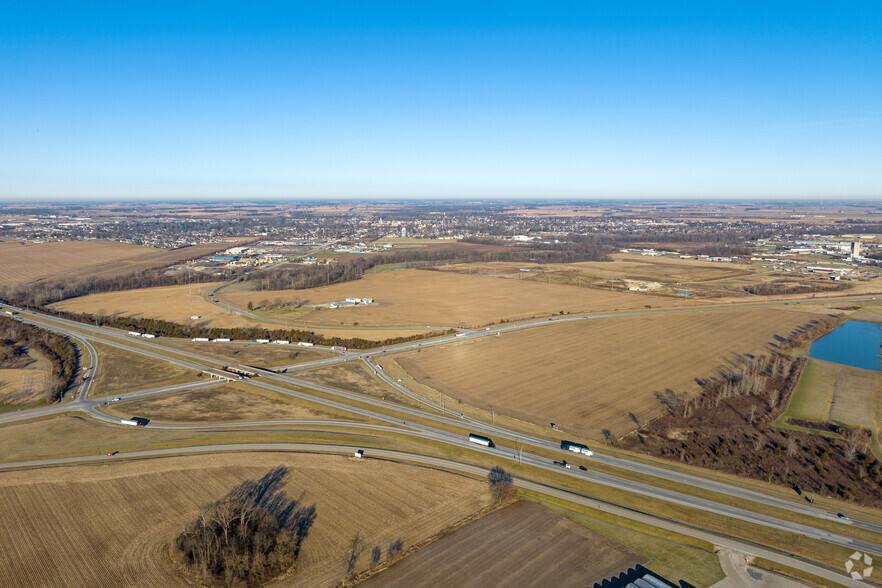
x=396, y=100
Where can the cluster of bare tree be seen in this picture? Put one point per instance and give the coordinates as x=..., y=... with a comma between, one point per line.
x=357, y=546
x=502, y=487
x=759, y=376
x=249, y=536
x=13, y=356
x=779, y=287
x=57, y=349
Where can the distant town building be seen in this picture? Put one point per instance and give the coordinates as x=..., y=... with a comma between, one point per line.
x=856, y=249
x=403, y=232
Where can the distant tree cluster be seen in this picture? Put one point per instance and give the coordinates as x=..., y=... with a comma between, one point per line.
x=169, y=329
x=60, y=352
x=249, y=536
x=780, y=287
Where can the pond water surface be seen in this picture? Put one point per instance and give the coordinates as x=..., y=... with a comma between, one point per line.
x=854, y=343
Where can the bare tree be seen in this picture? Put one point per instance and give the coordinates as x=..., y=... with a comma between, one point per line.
x=356, y=548
x=376, y=552
x=501, y=486
x=752, y=416
x=791, y=447
x=395, y=548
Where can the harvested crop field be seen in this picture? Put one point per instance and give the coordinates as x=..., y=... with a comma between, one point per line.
x=248, y=353
x=623, y=266
x=227, y=403
x=422, y=297
x=592, y=375
x=123, y=371
x=30, y=262
x=171, y=303
x=121, y=517
x=24, y=385
x=523, y=544
x=178, y=303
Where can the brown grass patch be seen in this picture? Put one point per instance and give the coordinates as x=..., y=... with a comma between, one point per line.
x=522, y=544
x=354, y=377
x=226, y=403
x=248, y=354
x=121, y=517
x=124, y=371
x=589, y=375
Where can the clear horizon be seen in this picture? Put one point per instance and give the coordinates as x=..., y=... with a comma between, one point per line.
x=515, y=101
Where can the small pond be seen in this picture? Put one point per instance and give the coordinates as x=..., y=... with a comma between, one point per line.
x=854, y=343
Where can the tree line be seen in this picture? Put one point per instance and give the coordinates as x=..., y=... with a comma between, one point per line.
x=249, y=536
x=164, y=328
x=60, y=352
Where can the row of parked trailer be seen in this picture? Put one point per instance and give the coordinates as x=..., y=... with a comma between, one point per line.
x=265, y=341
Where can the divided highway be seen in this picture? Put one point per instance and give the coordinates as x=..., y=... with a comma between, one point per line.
x=197, y=362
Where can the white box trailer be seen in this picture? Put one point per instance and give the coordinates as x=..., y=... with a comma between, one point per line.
x=261, y=340
x=481, y=440
x=134, y=333
x=305, y=344
x=148, y=336
x=200, y=339
x=281, y=342
x=576, y=448
x=222, y=340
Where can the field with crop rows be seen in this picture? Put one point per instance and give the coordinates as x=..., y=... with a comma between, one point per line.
x=29, y=262
x=592, y=375
x=178, y=303
x=841, y=394
x=421, y=297
x=521, y=545
x=111, y=524
x=23, y=385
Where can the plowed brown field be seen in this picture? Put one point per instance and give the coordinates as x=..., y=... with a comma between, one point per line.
x=178, y=303
x=589, y=375
x=420, y=297
x=520, y=545
x=29, y=262
x=110, y=525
